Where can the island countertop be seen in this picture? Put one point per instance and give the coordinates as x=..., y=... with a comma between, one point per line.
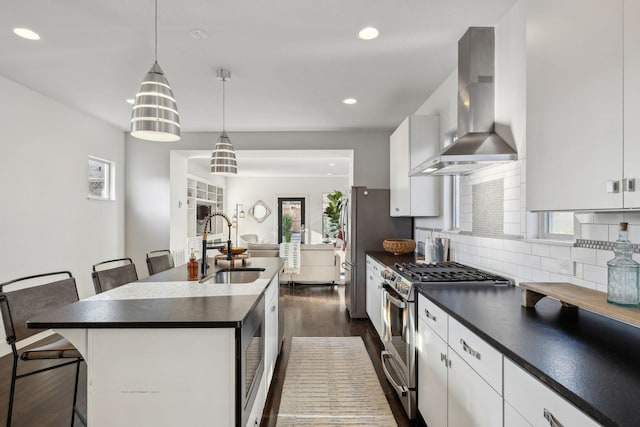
x=167, y=300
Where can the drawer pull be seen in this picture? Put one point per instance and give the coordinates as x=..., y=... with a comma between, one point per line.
x=469, y=350
x=553, y=422
x=429, y=315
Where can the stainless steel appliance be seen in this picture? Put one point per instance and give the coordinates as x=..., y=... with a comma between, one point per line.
x=400, y=312
x=251, y=364
x=481, y=141
x=365, y=224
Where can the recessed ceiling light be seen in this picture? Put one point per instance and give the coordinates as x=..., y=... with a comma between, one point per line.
x=198, y=34
x=349, y=101
x=332, y=164
x=26, y=33
x=368, y=33
x=131, y=101
x=329, y=173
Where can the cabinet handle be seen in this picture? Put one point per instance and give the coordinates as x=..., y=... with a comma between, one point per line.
x=553, y=422
x=273, y=308
x=443, y=358
x=629, y=184
x=429, y=315
x=613, y=186
x=469, y=350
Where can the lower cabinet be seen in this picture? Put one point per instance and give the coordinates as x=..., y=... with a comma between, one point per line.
x=432, y=376
x=472, y=402
x=536, y=403
x=452, y=393
x=465, y=382
x=374, y=294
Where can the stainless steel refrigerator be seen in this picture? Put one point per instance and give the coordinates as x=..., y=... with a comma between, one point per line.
x=365, y=224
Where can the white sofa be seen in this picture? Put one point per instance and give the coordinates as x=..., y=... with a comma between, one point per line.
x=319, y=263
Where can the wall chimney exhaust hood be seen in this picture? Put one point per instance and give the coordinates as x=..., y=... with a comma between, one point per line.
x=479, y=145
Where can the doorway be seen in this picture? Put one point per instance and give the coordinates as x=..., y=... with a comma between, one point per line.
x=291, y=224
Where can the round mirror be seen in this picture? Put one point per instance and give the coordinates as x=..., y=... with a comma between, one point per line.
x=259, y=211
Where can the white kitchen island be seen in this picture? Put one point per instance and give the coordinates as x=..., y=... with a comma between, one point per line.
x=170, y=353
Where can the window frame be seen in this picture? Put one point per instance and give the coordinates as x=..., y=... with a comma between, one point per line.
x=109, y=179
x=543, y=227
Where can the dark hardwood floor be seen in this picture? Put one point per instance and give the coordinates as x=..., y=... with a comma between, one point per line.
x=44, y=400
x=318, y=311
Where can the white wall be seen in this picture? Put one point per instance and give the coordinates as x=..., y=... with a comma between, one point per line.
x=247, y=191
x=148, y=175
x=46, y=221
x=522, y=260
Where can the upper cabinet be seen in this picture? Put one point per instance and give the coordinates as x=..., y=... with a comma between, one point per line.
x=416, y=139
x=631, y=106
x=581, y=91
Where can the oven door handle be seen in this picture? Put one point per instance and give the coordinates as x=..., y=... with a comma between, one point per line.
x=395, y=301
x=403, y=390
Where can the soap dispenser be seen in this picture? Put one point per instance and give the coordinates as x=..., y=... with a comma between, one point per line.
x=622, y=277
x=193, y=266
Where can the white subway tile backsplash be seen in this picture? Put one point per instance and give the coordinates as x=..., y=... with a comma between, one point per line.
x=551, y=265
x=613, y=233
x=584, y=255
x=524, y=273
x=512, y=205
x=600, y=287
x=531, y=261
x=583, y=283
x=608, y=217
x=603, y=256
x=512, y=217
x=540, y=249
x=565, y=267
x=561, y=278
x=540, y=275
x=562, y=252
x=517, y=246
x=634, y=233
x=579, y=273
x=512, y=194
x=595, y=232
x=595, y=274
x=585, y=218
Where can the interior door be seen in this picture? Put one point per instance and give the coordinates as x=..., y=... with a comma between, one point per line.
x=292, y=210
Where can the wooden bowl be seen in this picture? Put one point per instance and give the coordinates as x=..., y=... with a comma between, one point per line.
x=399, y=246
x=234, y=251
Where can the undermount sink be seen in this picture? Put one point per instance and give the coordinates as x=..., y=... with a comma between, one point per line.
x=235, y=275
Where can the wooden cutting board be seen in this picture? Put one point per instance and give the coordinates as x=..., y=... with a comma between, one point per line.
x=571, y=295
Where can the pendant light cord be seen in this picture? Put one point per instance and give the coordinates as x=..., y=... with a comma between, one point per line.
x=223, y=81
x=156, y=31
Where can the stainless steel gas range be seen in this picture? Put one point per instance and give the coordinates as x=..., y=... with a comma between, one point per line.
x=399, y=316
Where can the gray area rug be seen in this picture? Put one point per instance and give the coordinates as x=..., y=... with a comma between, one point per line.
x=330, y=381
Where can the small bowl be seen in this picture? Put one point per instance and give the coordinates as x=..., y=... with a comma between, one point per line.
x=234, y=251
x=399, y=246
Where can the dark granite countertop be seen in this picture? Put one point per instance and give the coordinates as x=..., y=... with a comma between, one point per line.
x=194, y=307
x=590, y=360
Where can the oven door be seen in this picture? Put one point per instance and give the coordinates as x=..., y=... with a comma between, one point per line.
x=398, y=359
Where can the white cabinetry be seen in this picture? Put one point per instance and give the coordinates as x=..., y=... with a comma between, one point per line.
x=631, y=96
x=459, y=380
x=415, y=140
x=537, y=404
x=271, y=329
x=432, y=376
x=374, y=293
x=578, y=146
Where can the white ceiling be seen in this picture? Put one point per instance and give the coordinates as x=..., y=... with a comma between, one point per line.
x=282, y=163
x=291, y=61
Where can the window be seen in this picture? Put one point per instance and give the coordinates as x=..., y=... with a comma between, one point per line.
x=101, y=179
x=556, y=225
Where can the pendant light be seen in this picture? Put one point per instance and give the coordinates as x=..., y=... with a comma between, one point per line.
x=223, y=158
x=155, y=113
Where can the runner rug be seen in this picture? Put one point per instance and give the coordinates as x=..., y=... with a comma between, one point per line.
x=330, y=381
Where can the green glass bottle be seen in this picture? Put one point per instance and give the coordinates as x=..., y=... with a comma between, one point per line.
x=623, y=285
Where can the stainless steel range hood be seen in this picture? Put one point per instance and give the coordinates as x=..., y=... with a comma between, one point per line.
x=479, y=144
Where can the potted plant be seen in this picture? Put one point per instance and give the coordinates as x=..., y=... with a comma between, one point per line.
x=333, y=211
x=287, y=221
